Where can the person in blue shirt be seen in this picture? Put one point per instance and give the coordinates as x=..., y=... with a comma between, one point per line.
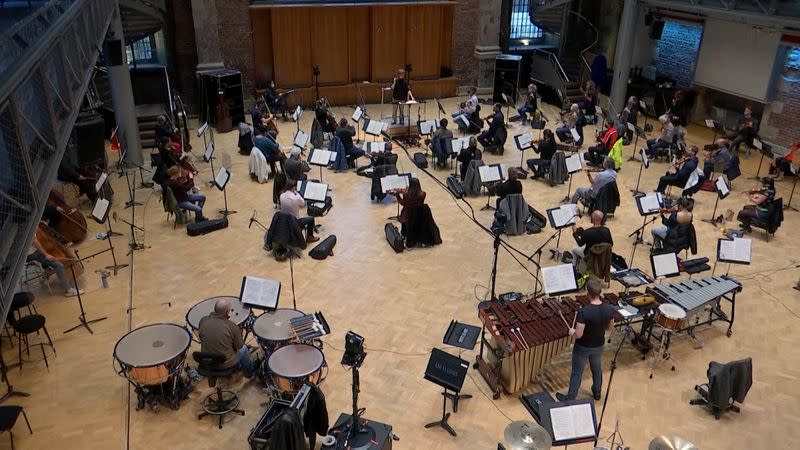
x=681, y=176
x=721, y=160
x=268, y=145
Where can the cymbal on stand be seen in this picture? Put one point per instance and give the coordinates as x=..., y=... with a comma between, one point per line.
x=671, y=443
x=526, y=435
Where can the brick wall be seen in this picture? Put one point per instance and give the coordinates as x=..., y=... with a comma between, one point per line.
x=184, y=51
x=236, y=41
x=677, y=51
x=465, y=36
x=783, y=122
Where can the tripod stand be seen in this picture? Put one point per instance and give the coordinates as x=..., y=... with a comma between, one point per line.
x=82, y=318
x=608, y=386
x=445, y=415
x=115, y=267
x=131, y=190
x=10, y=392
x=638, y=233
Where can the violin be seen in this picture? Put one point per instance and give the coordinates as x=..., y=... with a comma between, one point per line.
x=49, y=241
x=72, y=225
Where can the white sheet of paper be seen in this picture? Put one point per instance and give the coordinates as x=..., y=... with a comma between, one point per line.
x=100, y=181
x=376, y=147
x=298, y=112
x=565, y=215
x=575, y=134
x=489, y=173
x=559, y=278
x=260, y=291
x=574, y=163
x=100, y=209
x=666, y=264
x=631, y=126
x=624, y=312
x=722, y=186
x=357, y=114
x=374, y=127
x=202, y=129
x=694, y=178
x=598, y=110
x=758, y=144
x=301, y=138
x=645, y=159
x=463, y=118
x=459, y=144
x=315, y=191
x=394, y=182
x=709, y=123
x=739, y=249
x=320, y=157
x=524, y=140
x=572, y=422
x=209, y=151
x=222, y=178
x=650, y=202
x=427, y=126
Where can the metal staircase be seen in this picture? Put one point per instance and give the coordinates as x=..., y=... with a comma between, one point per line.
x=46, y=61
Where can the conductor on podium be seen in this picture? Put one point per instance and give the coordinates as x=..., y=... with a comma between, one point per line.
x=401, y=92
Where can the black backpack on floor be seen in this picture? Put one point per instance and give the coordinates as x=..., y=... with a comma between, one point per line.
x=420, y=160
x=455, y=186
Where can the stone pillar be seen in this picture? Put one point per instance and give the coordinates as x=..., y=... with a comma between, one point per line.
x=624, y=53
x=487, y=48
x=119, y=78
x=206, y=32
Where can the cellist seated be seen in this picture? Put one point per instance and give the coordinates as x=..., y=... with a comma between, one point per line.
x=37, y=253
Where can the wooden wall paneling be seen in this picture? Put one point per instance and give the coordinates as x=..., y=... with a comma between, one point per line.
x=423, y=40
x=329, y=44
x=446, y=40
x=388, y=41
x=262, y=45
x=291, y=38
x=359, y=35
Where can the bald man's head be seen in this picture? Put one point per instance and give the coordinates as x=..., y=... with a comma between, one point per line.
x=597, y=218
x=222, y=306
x=722, y=143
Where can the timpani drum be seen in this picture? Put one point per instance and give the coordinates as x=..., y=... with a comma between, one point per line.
x=273, y=329
x=240, y=314
x=151, y=359
x=670, y=316
x=294, y=365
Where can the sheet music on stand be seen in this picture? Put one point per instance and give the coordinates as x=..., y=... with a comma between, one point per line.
x=734, y=251
x=575, y=136
x=100, y=182
x=373, y=127
x=574, y=163
x=643, y=105
x=357, y=114
x=222, y=178
x=456, y=145
x=376, y=147
x=426, y=127
x=665, y=265
x=524, y=141
x=650, y=203
x=559, y=279
x=464, y=119
x=571, y=422
x=202, y=130
x=645, y=159
x=722, y=186
x=209, y=151
x=631, y=127
x=100, y=210
x=563, y=216
x=301, y=139
x=758, y=144
x=490, y=173
x=710, y=123
x=260, y=293
x=395, y=182
x=320, y=157
x=312, y=191
x=298, y=113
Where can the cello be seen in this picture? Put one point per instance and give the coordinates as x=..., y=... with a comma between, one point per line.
x=48, y=239
x=72, y=225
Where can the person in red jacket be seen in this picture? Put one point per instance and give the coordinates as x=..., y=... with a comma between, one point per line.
x=596, y=153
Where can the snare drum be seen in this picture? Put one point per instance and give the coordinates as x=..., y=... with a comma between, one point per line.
x=273, y=329
x=293, y=365
x=152, y=354
x=670, y=316
x=240, y=314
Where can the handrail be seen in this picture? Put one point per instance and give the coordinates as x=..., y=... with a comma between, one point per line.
x=590, y=46
x=555, y=62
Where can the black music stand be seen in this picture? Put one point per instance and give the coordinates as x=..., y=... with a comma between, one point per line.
x=10, y=392
x=485, y=180
x=763, y=149
x=523, y=142
x=714, y=125
x=82, y=318
x=100, y=215
x=560, y=218
x=221, y=181
x=574, y=165
x=545, y=421
x=723, y=189
x=645, y=209
x=644, y=165
x=260, y=293
x=131, y=190
x=733, y=251
x=440, y=108
x=795, y=175
x=463, y=336
x=640, y=133
x=449, y=372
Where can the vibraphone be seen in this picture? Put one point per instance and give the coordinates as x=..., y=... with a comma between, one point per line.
x=523, y=336
x=697, y=295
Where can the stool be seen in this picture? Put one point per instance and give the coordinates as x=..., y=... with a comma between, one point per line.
x=28, y=325
x=222, y=402
x=23, y=300
x=8, y=418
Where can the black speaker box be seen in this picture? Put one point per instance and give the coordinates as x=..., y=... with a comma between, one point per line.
x=656, y=29
x=506, y=76
x=112, y=50
x=89, y=140
x=378, y=436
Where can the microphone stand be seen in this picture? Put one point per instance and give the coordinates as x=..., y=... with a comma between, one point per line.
x=538, y=254
x=131, y=190
x=610, y=380
x=638, y=233
x=496, y=246
x=82, y=318
x=111, y=233
x=133, y=244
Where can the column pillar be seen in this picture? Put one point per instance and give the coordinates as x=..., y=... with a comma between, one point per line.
x=206, y=35
x=119, y=78
x=488, y=45
x=624, y=53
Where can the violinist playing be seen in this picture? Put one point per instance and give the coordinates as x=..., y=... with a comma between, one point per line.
x=530, y=106
x=469, y=109
x=680, y=171
x=745, y=129
x=39, y=254
x=762, y=199
x=597, y=153
x=182, y=184
x=680, y=214
x=324, y=116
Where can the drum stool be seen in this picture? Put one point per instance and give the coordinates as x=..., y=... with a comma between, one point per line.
x=222, y=402
x=30, y=324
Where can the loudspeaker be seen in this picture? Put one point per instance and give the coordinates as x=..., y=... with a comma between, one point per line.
x=656, y=29
x=89, y=139
x=112, y=50
x=506, y=76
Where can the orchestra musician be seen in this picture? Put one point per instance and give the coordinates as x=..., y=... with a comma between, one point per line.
x=267, y=143
x=718, y=159
x=664, y=140
x=761, y=199
x=37, y=253
x=324, y=116
x=496, y=122
x=546, y=148
x=218, y=334
x=571, y=119
x=164, y=128
x=438, y=139
x=607, y=175
x=585, y=239
x=466, y=155
x=345, y=133
x=745, y=129
x=680, y=171
x=680, y=214
x=629, y=114
x=594, y=156
x=295, y=167
x=182, y=184
x=783, y=164
x=589, y=98
x=469, y=109
x=592, y=322
x=291, y=202
x=531, y=104
x=510, y=186
x=275, y=101
x=257, y=115
x=409, y=198
x=401, y=92
x=70, y=174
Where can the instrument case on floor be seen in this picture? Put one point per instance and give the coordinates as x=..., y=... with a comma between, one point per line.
x=420, y=160
x=207, y=226
x=394, y=237
x=324, y=248
x=455, y=186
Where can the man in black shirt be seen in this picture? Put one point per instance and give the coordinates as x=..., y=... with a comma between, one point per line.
x=401, y=92
x=597, y=234
x=510, y=186
x=345, y=134
x=466, y=155
x=593, y=320
x=496, y=122
x=546, y=149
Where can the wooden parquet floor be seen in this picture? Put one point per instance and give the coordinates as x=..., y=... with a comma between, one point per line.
x=401, y=304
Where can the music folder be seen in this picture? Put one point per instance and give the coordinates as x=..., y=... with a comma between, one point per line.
x=650, y=203
x=563, y=216
x=722, y=186
x=376, y=147
x=100, y=182
x=645, y=159
x=202, y=129
x=559, y=280
x=209, y=152
x=571, y=421
x=446, y=370
x=426, y=127
x=575, y=136
x=490, y=173
x=301, y=139
x=524, y=141
x=574, y=163
x=100, y=210
x=312, y=191
x=461, y=335
x=357, y=114
x=298, y=113
x=734, y=251
x=395, y=182
x=373, y=127
x=456, y=145
x=222, y=178
x=321, y=157
x=665, y=265
x=260, y=293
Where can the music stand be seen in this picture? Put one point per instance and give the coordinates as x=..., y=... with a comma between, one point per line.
x=645, y=165
x=647, y=204
x=665, y=265
x=296, y=115
x=723, y=189
x=489, y=174
x=788, y=204
x=559, y=280
x=714, y=125
x=390, y=183
x=358, y=113
x=463, y=336
x=221, y=181
x=449, y=372
x=574, y=164
x=523, y=142
x=10, y=392
x=320, y=157
x=82, y=318
x=100, y=215
x=760, y=146
x=260, y=293
x=733, y=251
x=639, y=133
x=575, y=421
x=208, y=145
x=440, y=108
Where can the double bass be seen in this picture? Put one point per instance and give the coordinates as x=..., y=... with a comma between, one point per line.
x=72, y=224
x=50, y=242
